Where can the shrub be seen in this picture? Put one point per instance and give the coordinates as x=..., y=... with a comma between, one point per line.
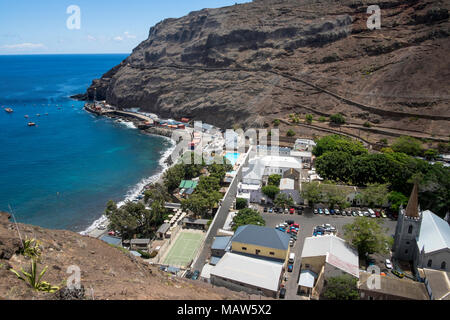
x=153, y=254
x=290, y=133
x=337, y=118
x=34, y=280
x=241, y=203
x=276, y=122
x=367, y=124
x=322, y=119
x=309, y=118
x=144, y=255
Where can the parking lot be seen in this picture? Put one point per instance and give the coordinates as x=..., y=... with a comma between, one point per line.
x=307, y=221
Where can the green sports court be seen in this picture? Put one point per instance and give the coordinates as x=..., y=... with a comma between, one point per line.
x=184, y=249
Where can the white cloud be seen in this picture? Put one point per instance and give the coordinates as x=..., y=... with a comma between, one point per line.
x=92, y=38
x=118, y=38
x=129, y=36
x=24, y=46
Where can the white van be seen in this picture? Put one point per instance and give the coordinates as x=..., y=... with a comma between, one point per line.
x=371, y=211
x=291, y=257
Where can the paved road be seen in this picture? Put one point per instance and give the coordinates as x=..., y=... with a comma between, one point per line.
x=219, y=221
x=307, y=222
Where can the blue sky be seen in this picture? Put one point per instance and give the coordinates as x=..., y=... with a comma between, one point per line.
x=39, y=26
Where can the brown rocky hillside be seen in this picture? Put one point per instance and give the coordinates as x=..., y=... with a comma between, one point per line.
x=251, y=63
x=107, y=273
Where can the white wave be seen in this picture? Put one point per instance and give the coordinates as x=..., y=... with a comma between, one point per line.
x=127, y=124
x=138, y=188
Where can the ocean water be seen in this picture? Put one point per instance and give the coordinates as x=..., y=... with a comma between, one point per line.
x=60, y=173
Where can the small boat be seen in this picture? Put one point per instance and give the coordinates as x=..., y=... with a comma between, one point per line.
x=46, y=114
x=31, y=124
x=38, y=115
x=9, y=110
x=26, y=116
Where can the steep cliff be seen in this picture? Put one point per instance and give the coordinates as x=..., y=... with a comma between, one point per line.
x=248, y=64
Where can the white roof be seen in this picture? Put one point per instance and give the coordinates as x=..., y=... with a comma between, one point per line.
x=434, y=233
x=307, y=278
x=256, y=272
x=244, y=186
x=257, y=165
x=338, y=253
x=281, y=162
x=287, y=184
x=302, y=154
x=305, y=142
x=206, y=271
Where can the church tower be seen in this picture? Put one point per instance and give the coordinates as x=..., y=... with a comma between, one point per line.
x=408, y=228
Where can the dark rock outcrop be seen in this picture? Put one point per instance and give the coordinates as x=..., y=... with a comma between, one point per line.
x=229, y=65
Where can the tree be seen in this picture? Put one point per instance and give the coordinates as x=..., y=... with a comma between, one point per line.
x=335, y=196
x=201, y=203
x=309, y=118
x=431, y=154
x=283, y=200
x=408, y=145
x=290, y=133
x=367, y=236
x=270, y=191
x=337, y=118
x=397, y=199
x=341, y=288
x=247, y=216
x=374, y=195
x=274, y=180
x=156, y=191
x=336, y=166
x=276, y=122
x=173, y=176
x=241, y=203
x=334, y=143
x=312, y=192
x=130, y=219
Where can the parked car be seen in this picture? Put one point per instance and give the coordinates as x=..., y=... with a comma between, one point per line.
x=316, y=211
x=337, y=211
x=326, y=211
x=377, y=214
x=195, y=275
x=282, y=293
x=280, y=210
x=289, y=222
x=296, y=225
x=388, y=264
x=332, y=212
x=290, y=268
x=293, y=236
x=270, y=210
x=265, y=209
x=188, y=275
x=366, y=213
x=360, y=213
x=383, y=214
x=398, y=273
x=291, y=210
x=349, y=213
x=320, y=211
x=112, y=233
x=291, y=243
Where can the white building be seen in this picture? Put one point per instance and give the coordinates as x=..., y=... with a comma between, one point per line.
x=304, y=145
x=252, y=275
x=268, y=165
x=422, y=237
x=326, y=256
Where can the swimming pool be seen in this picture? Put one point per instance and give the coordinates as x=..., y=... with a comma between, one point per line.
x=232, y=157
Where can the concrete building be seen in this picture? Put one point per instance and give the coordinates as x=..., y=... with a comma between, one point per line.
x=261, y=242
x=161, y=233
x=201, y=224
x=252, y=275
x=139, y=244
x=326, y=256
x=422, y=237
x=390, y=289
x=437, y=283
x=304, y=145
x=220, y=246
x=267, y=165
